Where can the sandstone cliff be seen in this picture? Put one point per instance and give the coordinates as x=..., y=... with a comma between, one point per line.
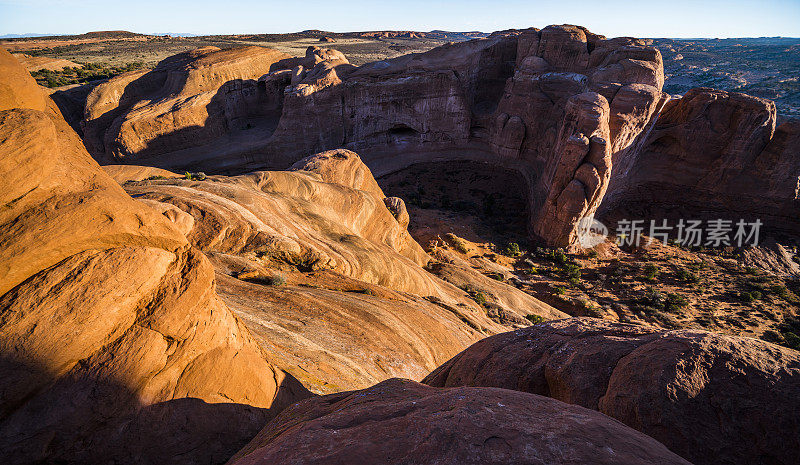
x=714, y=154
x=524, y=99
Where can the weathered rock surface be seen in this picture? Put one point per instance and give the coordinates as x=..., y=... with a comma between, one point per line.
x=192, y=99
x=113, y=343
x=399, y=421
x=714, y=154
x=559, y=105
x=568, y=109
x=358, y=306
x=710, y=398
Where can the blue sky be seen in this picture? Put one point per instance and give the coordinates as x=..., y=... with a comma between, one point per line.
x=665, y=18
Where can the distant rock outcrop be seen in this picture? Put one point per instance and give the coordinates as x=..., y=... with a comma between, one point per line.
x=34, y=63
x=710, y=398
x=399, y=422
x=114, y=345
x=204, y=97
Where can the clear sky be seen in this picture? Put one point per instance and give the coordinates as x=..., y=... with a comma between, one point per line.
x=643, y=18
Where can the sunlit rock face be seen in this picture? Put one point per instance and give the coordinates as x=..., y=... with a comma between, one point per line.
x=113, y=342
x=512, y=99
x=576, y=114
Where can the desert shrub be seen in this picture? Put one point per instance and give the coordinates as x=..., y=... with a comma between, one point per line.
x=791, y=340
x=533, y=269
x=589, y=307
x=497, y=276
x=277, y=280
x=676, y=301
x=592, y=254
x=479, y=298
x=200, y=176
x=512, y=250
x=535, y=319
x=457, y=242
x=751, y=271
x=559, y=290
x=650, y=271
x=750, y=297
x=572, y=271
x=653, y=298
x=686, y=276
x=154, y=178
x=780, y=290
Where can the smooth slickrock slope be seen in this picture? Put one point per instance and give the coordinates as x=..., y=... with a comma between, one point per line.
x=710, y=398
x=113, y=343
x=192, y=99
x=402, y=422
x=358, y=306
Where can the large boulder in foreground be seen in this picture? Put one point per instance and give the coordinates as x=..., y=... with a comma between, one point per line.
x=114, y=346
x=710, y=398
x=400, y=422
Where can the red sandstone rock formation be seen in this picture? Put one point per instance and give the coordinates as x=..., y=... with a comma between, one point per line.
x=566, y=108
x=710, y=398
x=504, y=98
x=714, y=154
x=114, y=345
x=400, y=421
x=329, y=218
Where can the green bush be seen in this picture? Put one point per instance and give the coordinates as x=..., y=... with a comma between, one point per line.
x=572, y=271
x=479, y=298
x=686, y=276
x=653, y=298
x=676, y=301
x=750, y=297
x=780, y=290
x=535, y=319
x=792, y=340
x=512, y=250
x=650, y=271
x=277, y=280
x=457, y=242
